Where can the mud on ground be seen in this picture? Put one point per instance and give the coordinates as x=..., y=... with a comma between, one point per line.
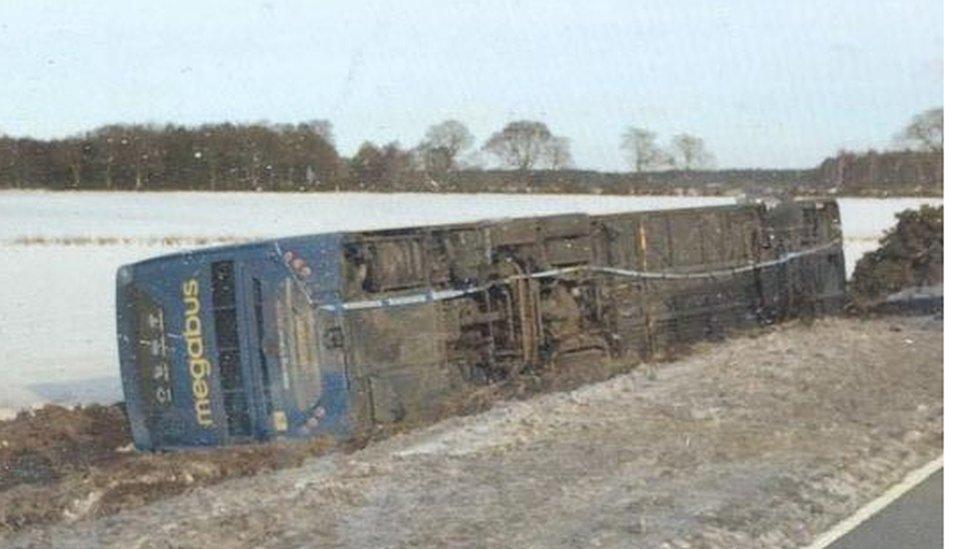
x=760, y=441
x=59, y=464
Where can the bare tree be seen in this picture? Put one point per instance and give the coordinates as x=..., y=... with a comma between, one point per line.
x=924, y=132
x=641, y=150
x=380, y=167
x=443, y=143
x=690, y=152
x=434, y=160
x=556, y=154
x=323, y=129
x=520, y=144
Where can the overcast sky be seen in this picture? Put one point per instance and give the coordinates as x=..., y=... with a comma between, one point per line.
x=767, y=83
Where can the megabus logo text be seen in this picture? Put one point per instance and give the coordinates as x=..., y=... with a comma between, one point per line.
x=196, y=360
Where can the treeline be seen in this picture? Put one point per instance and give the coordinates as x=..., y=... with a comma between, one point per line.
x=531, y=158
x=144, y=157
x=914, y=168
x=302, y=157
x=671, y=182
x=901, y=171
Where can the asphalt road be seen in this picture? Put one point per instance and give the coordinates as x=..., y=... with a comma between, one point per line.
x=912, y=521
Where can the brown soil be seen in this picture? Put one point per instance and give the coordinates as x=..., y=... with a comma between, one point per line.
x=73, y=440
x=60, y=463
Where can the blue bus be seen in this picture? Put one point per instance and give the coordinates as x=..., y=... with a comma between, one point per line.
x=339, y=334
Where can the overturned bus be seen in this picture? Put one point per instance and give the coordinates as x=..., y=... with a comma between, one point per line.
x=338, y=334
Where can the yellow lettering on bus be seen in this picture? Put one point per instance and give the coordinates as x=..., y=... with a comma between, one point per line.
x=197, y=363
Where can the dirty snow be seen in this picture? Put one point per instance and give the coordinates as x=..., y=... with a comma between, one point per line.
x=764, y=440
x=59, y=252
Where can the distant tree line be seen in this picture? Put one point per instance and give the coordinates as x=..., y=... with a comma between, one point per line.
x=895, y=171
x=523, y=156
x=281, y=157
x=145, y=157
x=303, y=157
x=915, y=165
x=669, y=182
x=290, y=157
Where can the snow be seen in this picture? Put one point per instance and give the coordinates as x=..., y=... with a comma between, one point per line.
x=250, y=215
x=57, y=282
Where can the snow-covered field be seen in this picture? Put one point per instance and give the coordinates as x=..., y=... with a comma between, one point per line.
x=59, y=252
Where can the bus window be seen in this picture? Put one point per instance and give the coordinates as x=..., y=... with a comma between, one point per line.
x=300, y=354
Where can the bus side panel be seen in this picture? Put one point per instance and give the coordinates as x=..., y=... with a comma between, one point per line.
x=400, y=362
x=693, y=240
x=411, y=360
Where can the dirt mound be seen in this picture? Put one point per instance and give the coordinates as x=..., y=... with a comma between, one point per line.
x=72, y=440
x=910, y=255
x=58, y=463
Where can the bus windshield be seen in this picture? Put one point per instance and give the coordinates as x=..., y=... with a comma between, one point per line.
x=300, y=350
